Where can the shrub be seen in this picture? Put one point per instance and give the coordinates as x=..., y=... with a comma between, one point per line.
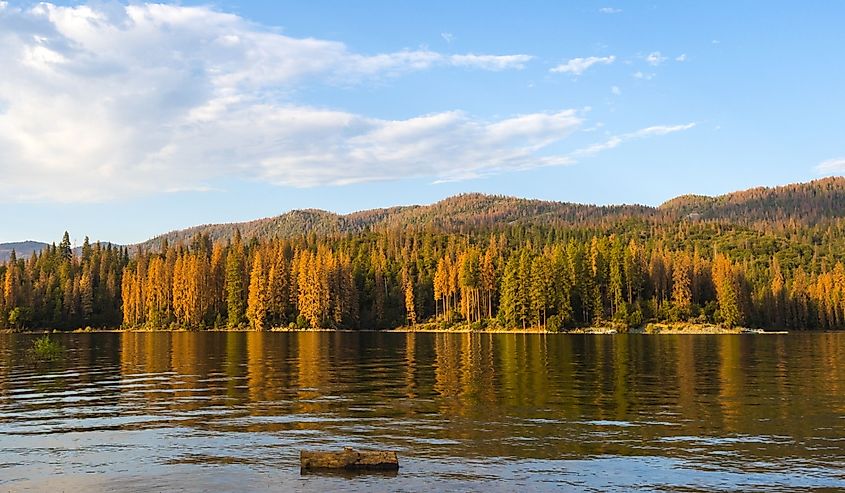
x=46, y=348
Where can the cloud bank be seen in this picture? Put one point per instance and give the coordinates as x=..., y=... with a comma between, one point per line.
x=104, y=101
x=98, y=102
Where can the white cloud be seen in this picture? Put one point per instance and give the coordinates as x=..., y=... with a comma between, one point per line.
x=578, y=66
x=834, y=166
x=655, y=58
x=616, y=140
x=643, y=75
x=610, y=10
x=615, y=90
x=448, y=37
x=106, y=100
x=681, y=58
x=660, y=130
x=491, y=62
x=343, y=149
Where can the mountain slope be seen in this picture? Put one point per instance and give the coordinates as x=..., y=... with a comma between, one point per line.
x=22, y=249
x=807, y=204
x=452, y=214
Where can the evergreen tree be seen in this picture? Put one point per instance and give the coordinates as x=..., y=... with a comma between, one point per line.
x=257, y=307
x=235, y=309
x=727, y=291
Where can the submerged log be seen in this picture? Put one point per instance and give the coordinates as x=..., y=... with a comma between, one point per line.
x=349, y=459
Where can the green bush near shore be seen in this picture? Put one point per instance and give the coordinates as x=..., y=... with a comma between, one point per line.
x=46, y=348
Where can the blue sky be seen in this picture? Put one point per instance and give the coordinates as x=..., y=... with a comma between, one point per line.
x=122, y=121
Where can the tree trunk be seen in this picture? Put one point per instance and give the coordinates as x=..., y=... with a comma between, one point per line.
x=349, y=459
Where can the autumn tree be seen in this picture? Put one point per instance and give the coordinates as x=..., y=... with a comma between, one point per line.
x=258, y=301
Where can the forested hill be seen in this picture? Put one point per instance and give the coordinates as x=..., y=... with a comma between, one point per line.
x=766, y=257
x=805, y=204
x=458, y=213
x=22, y=249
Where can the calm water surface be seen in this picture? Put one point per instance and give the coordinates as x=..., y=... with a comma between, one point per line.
x=466, y=412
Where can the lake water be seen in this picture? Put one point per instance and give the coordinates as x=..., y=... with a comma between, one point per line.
x=505, y=412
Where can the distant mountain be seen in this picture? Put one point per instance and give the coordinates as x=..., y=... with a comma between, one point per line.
x=452, y=214
x=807, y=204
x=22, y=249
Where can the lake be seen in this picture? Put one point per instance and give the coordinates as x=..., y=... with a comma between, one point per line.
x=466, y=412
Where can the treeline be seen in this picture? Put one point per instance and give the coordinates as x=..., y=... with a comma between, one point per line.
x=57, y=289
x=624, y=274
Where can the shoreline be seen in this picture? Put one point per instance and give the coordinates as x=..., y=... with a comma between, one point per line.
x=648, y=329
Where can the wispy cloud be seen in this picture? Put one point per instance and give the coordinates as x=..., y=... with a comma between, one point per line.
x=615, y=90
x=446, y=146
x=491, y=62
x=102, y=101
x=578, y=66
x=643, y=75
x=616, y=140
x=448, y=37
x=833, y=166
x=681, y=58
x=610, y=10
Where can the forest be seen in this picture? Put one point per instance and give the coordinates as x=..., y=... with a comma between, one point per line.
x=621, y=272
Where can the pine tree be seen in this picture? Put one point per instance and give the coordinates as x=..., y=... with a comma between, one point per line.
x=410, y=305
x=279, y=288
x=257, y=307
x=86, y=292
x=11, y=286
x=727, y=291
x=777, y=286
x=541, y=290
x=440, y=286
x=65, y=251
x=488, y=276
x=682, y=285
x=235, y=309
x=509, y=306
x=616, y=276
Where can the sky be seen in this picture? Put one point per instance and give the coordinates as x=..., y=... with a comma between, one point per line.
x=120, y=121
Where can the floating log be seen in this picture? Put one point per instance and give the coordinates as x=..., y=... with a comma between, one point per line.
x=349, y=459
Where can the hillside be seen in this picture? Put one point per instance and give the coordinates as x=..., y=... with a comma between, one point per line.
x=22, y=249
x=807, y=204
x=454, y=214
